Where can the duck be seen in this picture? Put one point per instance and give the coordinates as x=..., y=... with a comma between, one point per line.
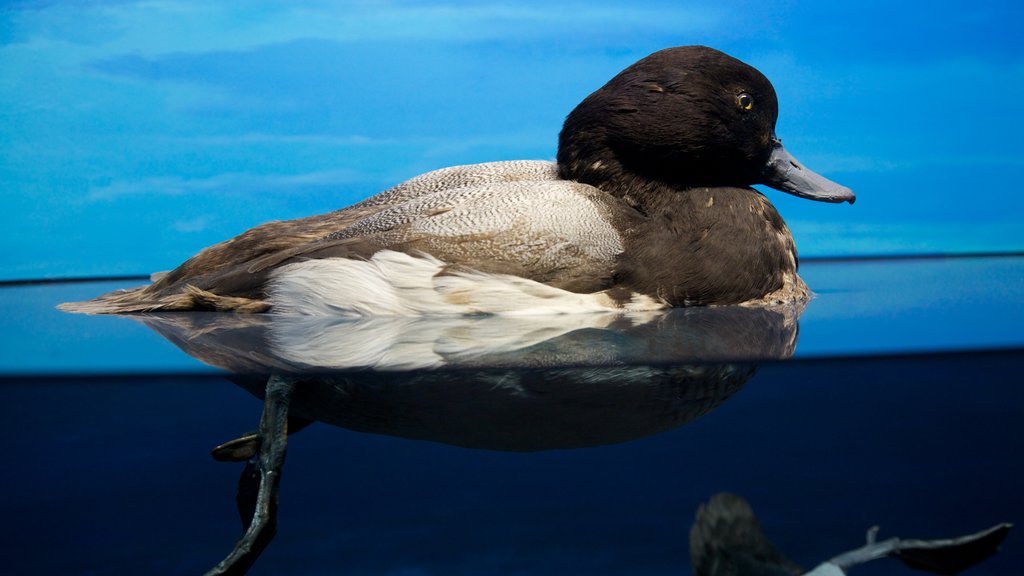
x=648, y=205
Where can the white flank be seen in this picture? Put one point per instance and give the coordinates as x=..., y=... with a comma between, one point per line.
x=394, y=283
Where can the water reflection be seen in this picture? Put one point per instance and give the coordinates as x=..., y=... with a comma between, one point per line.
x=495, y=382
x=264, y=343
x=516, y=384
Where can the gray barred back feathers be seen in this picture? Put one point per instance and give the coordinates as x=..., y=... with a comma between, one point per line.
x=461, y=177
x=543, y=224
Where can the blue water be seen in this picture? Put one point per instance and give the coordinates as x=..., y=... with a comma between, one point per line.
x=113, y=476
x=586, y=450
x=133, y=134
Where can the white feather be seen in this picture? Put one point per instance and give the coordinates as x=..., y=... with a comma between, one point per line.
x=395, y=283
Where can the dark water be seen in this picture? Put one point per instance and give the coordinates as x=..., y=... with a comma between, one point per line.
x=594, y=467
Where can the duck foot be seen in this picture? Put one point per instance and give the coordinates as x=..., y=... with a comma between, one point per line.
x=260, y=524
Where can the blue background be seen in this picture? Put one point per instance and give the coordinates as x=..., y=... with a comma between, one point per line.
x=133, y=134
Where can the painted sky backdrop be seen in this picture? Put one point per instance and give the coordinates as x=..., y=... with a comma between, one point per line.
x=134, y=133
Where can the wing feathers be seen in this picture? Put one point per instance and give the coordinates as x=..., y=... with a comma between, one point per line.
x=503, y=217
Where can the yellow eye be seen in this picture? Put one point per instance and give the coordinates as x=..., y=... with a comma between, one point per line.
x=744, y=101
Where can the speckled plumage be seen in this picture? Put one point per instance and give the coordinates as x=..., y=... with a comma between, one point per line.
x=648, y=206
x=554, y=231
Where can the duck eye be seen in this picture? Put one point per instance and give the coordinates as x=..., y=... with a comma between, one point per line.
x=744, y=101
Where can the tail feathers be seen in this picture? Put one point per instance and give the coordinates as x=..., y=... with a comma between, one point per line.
x=206, y=300
x=143, y=299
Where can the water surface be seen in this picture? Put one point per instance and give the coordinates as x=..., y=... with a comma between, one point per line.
x=588, y=449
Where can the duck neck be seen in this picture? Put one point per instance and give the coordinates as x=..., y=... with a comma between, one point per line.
x=607, y=173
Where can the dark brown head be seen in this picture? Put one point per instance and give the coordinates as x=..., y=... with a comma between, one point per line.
x=684, y=117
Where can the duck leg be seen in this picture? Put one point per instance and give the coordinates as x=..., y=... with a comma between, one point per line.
x=273, y=436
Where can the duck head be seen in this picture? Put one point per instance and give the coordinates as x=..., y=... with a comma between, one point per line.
x=684, y=117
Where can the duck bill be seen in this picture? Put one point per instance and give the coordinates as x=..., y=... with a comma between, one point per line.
x=784, y=172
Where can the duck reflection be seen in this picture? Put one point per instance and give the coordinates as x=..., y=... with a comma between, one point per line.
x=279, y=343
x=493, y=382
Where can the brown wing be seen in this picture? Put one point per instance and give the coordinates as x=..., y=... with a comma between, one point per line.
x=231, y=275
